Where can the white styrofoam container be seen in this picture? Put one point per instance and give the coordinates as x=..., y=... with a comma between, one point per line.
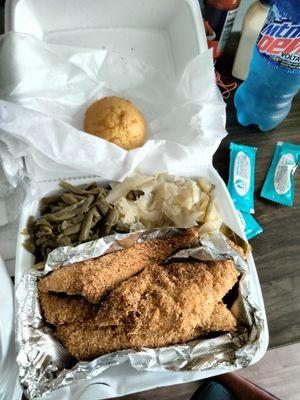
x=166, y=34
x=9, y=386
x=123, y=379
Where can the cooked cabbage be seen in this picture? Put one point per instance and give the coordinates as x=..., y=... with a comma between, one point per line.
x=165, y=200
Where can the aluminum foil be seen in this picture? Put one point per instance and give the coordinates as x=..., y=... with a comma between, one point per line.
x=45, y=365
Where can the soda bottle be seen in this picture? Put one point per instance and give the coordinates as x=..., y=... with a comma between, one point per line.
x=266, y=96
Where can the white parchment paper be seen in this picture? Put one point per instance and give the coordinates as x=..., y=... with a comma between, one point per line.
x=45, y=90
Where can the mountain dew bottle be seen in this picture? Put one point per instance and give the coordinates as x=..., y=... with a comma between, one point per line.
x=266, y=96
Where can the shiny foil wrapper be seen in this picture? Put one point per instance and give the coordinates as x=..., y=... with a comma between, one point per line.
x=45, y=365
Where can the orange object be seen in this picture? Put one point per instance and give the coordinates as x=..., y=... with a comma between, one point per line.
x=220, y=16
x=226, y=89
x=117, y=120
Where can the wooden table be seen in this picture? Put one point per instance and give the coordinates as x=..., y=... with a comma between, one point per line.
x=277, y=250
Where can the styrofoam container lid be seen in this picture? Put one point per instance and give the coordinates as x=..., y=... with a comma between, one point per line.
x=164, y=34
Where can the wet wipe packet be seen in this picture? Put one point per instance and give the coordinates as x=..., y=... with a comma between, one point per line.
x=279, y=183
x=241, y=176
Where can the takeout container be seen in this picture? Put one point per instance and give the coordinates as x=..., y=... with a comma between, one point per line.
x=123, y=379
x=165, y=34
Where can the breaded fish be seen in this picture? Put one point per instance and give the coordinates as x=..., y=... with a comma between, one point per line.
x=95, y=277
x=162, y=305
x=59, y=309
x=220, y=320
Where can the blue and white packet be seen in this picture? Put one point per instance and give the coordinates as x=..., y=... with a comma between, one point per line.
x=279, y=183
x=250, y=225
x=241, y=176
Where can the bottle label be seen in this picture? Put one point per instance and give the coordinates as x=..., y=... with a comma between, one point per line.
x=219, y=27
x=227, y=28
x=241, y=173
x=279, y=41
x=282, y=176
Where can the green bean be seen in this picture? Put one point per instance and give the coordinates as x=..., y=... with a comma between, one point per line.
x=91, y=186
x=77, y=215
x=95, y=236
x=110, y=220
x=51, y=243
x=130, y=195
x=134, y=194
x=77, y=190
x=94, y=191
x=86, y=226
x=78, y=218
x=86, y=205
x=96, y=220
x=51, y=199
x=30, y=226
x=209, y=208
x=41, y=240
x=39, y=266
x=70, y=208
x=96, y=213
x=73, y=221
x=74, y=238
x=70, y=230
x=55, y=209
x=67, y=186
x=65, y=224
x=79, y=196
x=43, y=222
x=44, y=232
x=30, y=222
x=47, y=251
x=64, y=241
x=69, y=198
x=67, y=212
x=44, y=209
x=54, y=218
x=120, y=226
x=102, y=193
x=25, y=232
x=29, y=246
x=103, y=206
x=101, y=202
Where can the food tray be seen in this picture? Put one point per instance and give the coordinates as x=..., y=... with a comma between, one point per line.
x=123, y=379
x=166, y=35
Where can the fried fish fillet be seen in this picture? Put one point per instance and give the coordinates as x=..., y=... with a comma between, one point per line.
x=220, y=320
x=95, y=277
x=162, y=305
x=59, y=310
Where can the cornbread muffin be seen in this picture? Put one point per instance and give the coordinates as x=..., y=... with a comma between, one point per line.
x=116, y=120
